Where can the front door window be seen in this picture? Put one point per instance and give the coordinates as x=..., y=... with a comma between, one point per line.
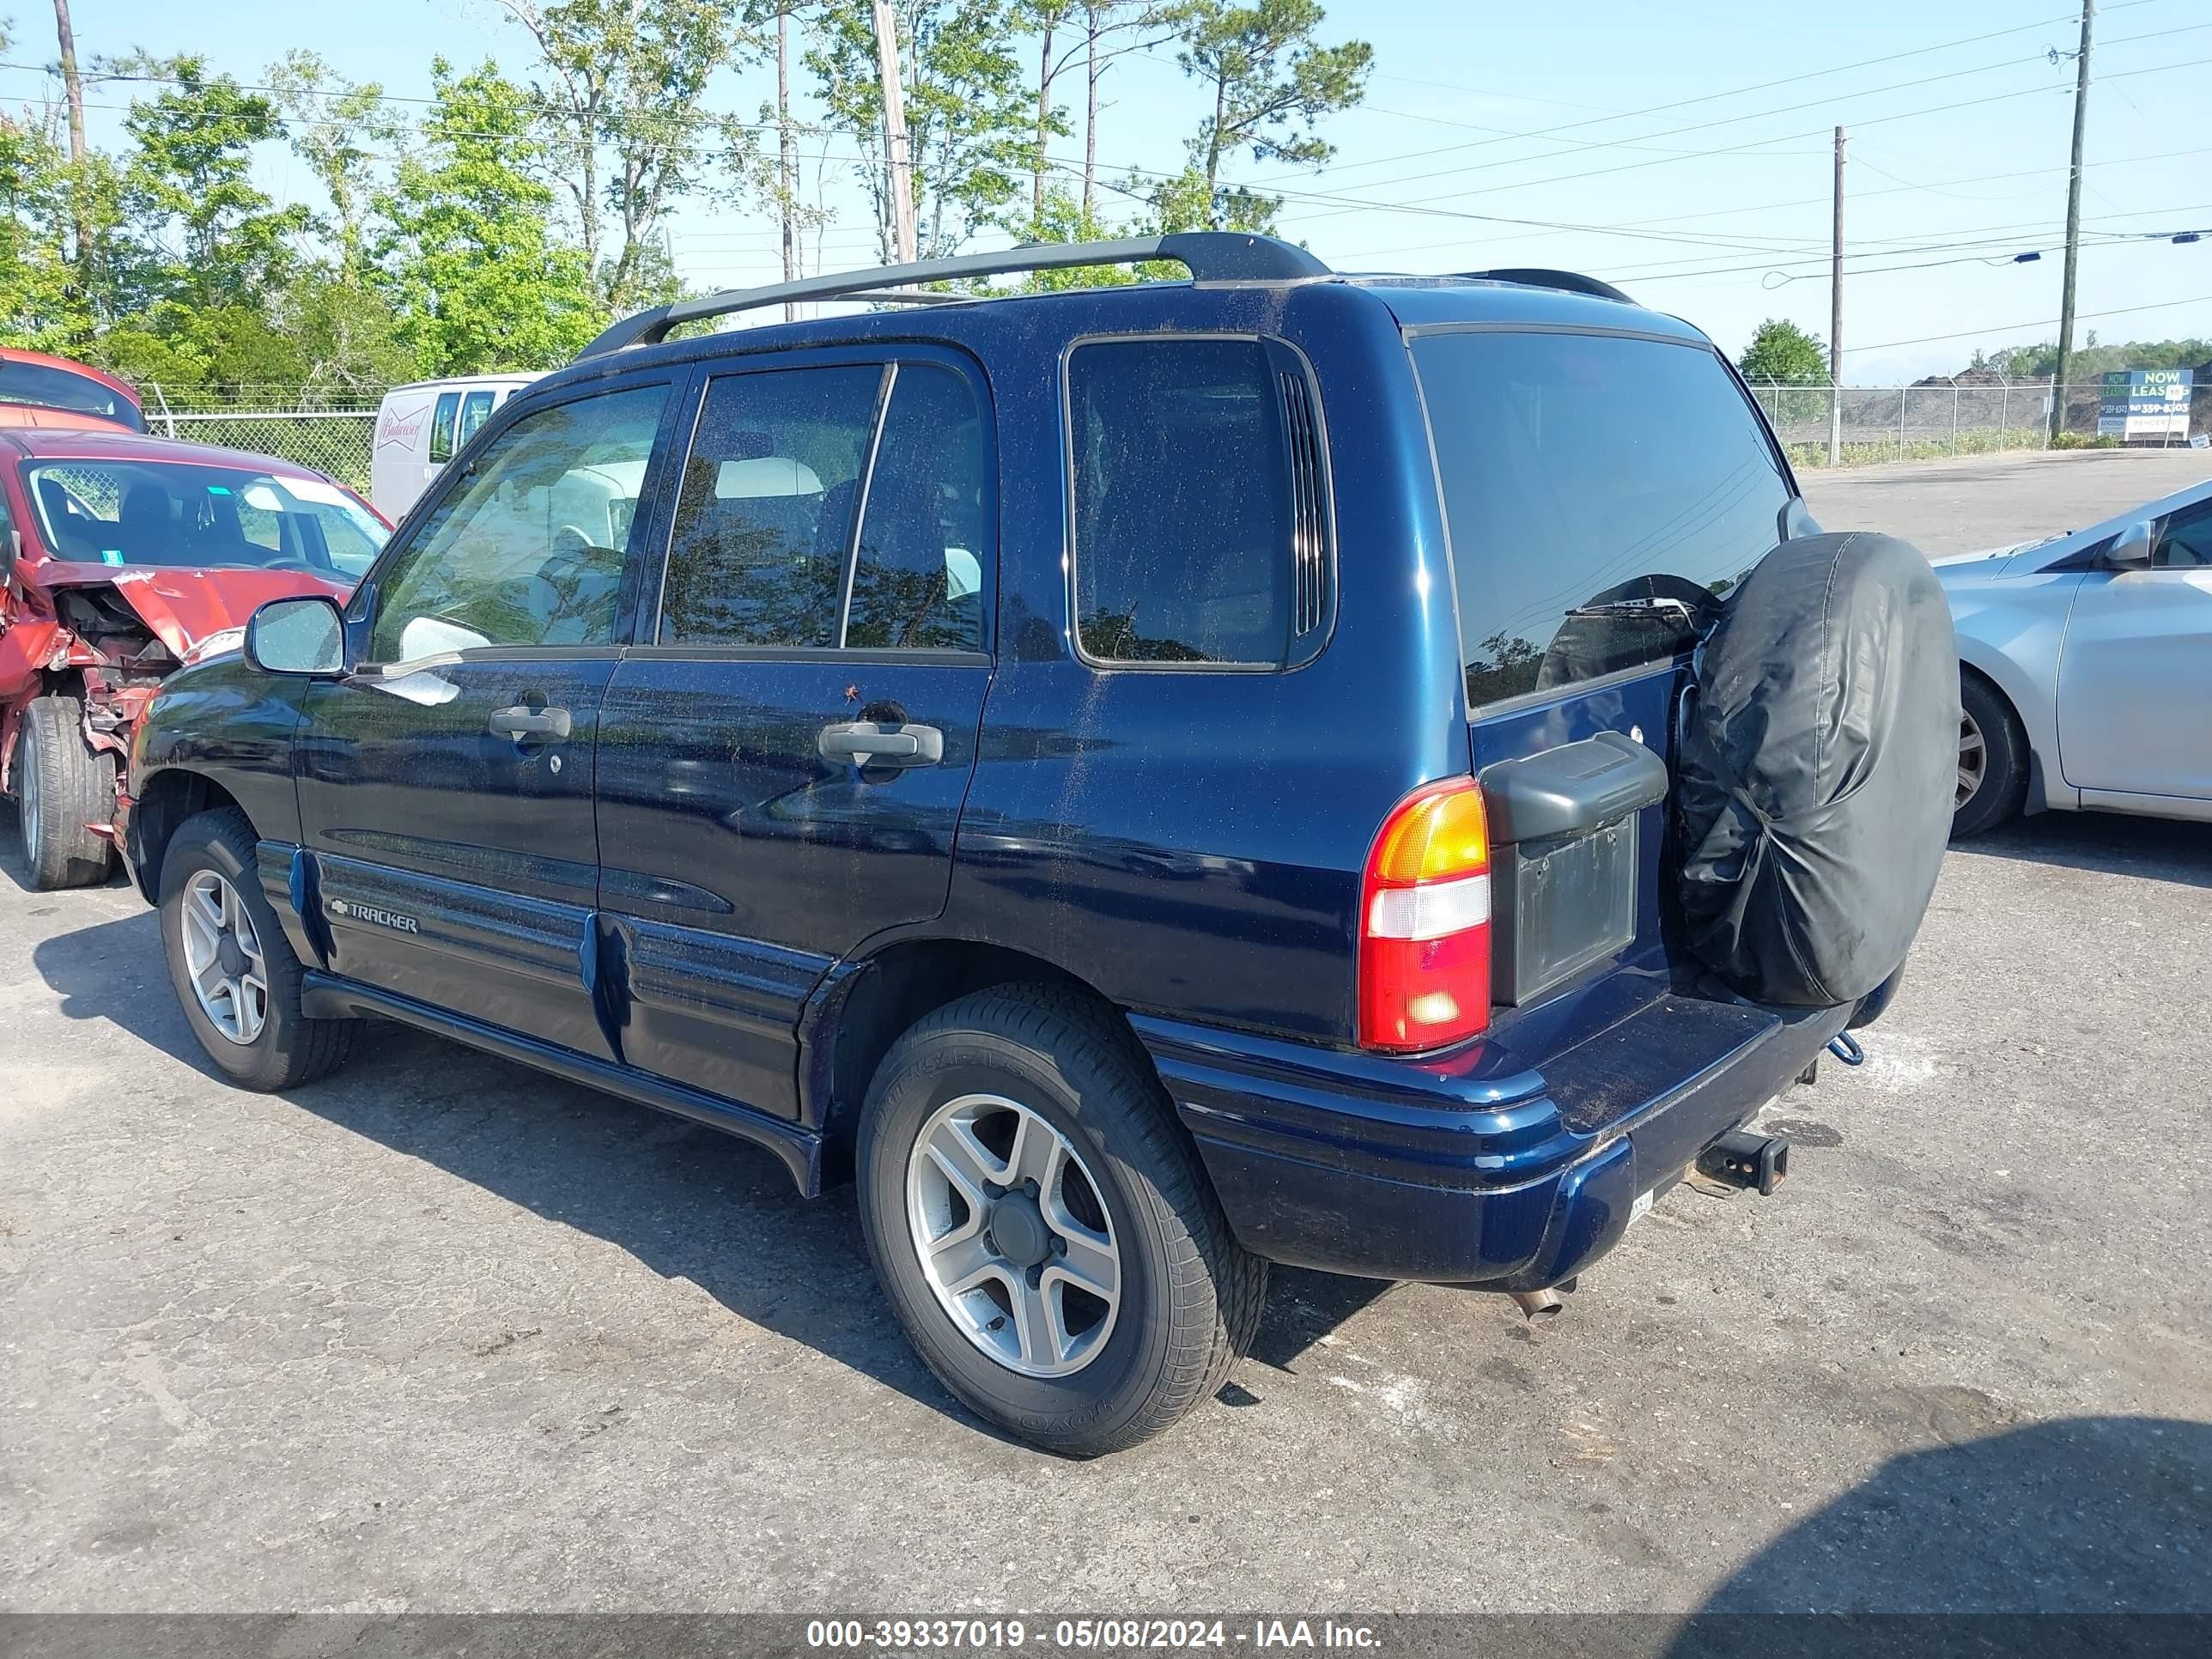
x=529, y=550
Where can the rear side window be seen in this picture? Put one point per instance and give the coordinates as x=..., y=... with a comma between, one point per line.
x=441, y=426
x=1199, y=502
x=1596, y=488
x=764, y=518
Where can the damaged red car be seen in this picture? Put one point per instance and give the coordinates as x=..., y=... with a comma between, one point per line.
x=128, y=556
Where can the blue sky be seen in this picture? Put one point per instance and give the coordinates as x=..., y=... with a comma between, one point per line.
x=1716, y=208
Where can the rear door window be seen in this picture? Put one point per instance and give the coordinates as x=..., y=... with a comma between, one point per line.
x=925, y=535
x=764, y=519
x=1597, y=490
x=1200, y=508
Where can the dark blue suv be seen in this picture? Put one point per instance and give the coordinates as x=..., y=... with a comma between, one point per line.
x=1147, y=781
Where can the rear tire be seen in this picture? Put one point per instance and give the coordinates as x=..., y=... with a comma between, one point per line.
x=1123, y=1200
x=62, y=785
x=1992, y=759
x=235, y=974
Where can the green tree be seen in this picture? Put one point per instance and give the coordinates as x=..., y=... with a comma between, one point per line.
x=624, y=119
x=189, y=258
x=1111, y=30
x=969, y=118
x=1049, y=20
x=469, y=257
x=40, y=307
x=2092, y=361
x=1186, y=202
x=1064, y=219
x=332, y=124
x=203, y=236
x=1783, y=354
x=1270, y=82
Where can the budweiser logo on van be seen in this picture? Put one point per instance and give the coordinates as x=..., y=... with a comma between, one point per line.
x=399, y=426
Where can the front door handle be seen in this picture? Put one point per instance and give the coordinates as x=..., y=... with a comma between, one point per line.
x=523, y=721
x=866, y=742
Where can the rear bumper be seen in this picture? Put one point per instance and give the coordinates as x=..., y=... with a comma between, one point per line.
x=1471, y=1168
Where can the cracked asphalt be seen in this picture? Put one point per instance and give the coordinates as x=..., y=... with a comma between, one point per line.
x=440, y=1334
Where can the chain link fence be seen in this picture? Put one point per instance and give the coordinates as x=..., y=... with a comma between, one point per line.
x=336, y=442
x=1863, y=423
x=1857, y=425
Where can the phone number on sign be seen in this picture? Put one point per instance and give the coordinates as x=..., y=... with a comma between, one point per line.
x=908, y=1634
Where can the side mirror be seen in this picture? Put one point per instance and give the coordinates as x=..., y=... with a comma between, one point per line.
x=296, y=636
x=1797, y=519
x=2130, y=549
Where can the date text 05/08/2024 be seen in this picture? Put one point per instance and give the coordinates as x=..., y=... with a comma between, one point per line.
x=1087, y=1635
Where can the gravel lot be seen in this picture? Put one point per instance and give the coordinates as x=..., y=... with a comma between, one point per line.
x=439, y=1334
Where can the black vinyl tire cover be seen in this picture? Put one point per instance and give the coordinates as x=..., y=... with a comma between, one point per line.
x=1816, y=766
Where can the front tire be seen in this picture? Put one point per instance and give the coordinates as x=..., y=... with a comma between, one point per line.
x=234, y=970
x=62, y=785
x=1992, y=760
x=1042, y=1226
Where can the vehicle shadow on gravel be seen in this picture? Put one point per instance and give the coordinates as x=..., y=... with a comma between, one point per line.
x=2083, y=1515
x=686, y=1201
x=2162, y=849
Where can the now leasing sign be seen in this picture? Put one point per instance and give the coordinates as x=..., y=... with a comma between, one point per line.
x=2145, y=403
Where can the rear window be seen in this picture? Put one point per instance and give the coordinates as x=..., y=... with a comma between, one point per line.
x=1200, y=517
x=45, y=386
x=1595, y=489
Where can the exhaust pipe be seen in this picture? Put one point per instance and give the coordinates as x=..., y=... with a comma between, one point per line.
x=1540, y=1304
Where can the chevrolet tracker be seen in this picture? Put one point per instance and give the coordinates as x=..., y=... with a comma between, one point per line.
x=1380, y=774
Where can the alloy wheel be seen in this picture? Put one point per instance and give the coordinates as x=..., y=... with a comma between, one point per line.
x=1012, y=1235
x=1974, y=761
x=222, y=958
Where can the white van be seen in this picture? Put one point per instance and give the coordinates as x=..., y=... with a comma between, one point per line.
x=419, y=427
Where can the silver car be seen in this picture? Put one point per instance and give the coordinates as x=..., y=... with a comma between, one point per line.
x=2086, y=668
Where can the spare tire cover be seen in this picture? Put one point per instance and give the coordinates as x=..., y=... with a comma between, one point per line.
x=1817, y=759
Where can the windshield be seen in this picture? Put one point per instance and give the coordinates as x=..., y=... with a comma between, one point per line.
x=48, y=387
x=180, y=514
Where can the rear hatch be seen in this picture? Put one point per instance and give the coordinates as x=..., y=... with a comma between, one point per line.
x=1603, y=488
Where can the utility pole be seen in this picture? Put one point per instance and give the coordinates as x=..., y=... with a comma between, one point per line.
x=73, y=89
x=2073, y=228
x=897, y=158
x=786, y=166
x=1835, y=318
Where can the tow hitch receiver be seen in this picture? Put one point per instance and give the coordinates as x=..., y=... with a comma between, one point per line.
x=1758, y=1162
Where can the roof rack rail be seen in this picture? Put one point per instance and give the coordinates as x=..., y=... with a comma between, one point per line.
x=1538, y=276
x=1210, y=256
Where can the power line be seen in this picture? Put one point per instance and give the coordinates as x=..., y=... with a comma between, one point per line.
x=1804, y=200
x=1993, y=252
x=1424, y=204
x=2042, y=322
x=1545, y=132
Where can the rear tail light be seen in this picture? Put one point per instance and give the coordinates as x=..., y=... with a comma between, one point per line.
x=1425, y=921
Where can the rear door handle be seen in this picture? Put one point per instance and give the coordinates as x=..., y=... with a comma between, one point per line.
x=865, y=742
x=523, y=721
